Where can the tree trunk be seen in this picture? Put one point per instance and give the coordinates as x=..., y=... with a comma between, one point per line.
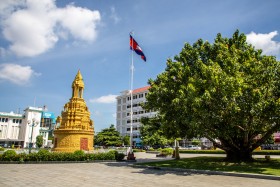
x=242, y=155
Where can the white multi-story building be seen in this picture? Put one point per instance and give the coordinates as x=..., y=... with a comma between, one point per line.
x=17, y=129
x=124, y=109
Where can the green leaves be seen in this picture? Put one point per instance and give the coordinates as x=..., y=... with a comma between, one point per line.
x=39, y=141
x=108, y=137
x=215, y=90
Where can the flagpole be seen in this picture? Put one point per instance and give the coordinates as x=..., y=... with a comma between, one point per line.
x=131, y=98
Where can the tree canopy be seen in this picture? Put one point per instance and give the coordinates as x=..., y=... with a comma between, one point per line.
x=226, y=91
x=39, y=141
x=152, y=134
x=108, y=137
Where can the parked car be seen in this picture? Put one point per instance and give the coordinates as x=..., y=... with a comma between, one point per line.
x=193, y=147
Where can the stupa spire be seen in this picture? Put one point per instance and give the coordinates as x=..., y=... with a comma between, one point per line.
x=78, y=86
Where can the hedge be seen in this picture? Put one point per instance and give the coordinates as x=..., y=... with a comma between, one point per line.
x=44, y=155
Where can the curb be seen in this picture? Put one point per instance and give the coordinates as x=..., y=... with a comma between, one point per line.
x=208, y=172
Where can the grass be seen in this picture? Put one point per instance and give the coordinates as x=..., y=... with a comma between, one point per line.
x=260, y=166
x=261, y=152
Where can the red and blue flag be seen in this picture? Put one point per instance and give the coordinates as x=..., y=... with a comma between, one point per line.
x=135, y=47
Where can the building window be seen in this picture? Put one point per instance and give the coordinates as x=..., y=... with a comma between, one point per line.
x=128, y=121
x=123, y=107
x=127, y=129
x=135, y=97
x=128, y=106
x=128, y=98
x=119, y=101
x=141, y=95
x=4, y=119
x=14, y=120
x=135, y=120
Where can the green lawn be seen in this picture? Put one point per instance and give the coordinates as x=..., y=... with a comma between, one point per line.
x=260, y=166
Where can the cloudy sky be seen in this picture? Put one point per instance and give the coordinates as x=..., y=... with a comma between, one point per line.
x=44, y=43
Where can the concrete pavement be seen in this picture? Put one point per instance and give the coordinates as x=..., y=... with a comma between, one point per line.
x=114, y=174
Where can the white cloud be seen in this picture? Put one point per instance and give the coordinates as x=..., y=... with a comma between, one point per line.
x=8, y=6
x=104, y=99
x=16, y=74
x=34, y=27
x=264, y=42
x=114, y=15
x=80, y=22
x=3, y=52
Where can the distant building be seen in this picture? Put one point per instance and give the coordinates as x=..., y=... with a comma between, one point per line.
x=16, y=129
x=47, y=126
x=123, y=119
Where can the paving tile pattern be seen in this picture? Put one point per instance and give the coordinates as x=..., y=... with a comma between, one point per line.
x=114, y=174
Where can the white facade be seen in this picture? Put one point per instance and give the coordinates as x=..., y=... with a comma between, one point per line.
x=32, y=120
x=16, y=129
x=10, y=126
x=123, y=112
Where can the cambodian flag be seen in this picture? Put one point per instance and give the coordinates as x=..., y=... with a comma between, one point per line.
x=134, y=46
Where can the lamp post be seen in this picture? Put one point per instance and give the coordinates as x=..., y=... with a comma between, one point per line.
x=33, y=124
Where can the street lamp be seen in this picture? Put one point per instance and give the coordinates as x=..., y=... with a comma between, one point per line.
x=33, y=124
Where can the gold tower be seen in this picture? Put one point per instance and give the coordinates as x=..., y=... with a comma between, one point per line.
x=74, y=129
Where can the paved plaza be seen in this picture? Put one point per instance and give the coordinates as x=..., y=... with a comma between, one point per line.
x=114, y=174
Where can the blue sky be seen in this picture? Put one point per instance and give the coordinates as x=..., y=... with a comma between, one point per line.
x=44, y=43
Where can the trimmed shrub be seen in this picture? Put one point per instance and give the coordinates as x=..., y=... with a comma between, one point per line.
x=266, y=152
x=9, y=155
x=44, y=155
x=43, y=151
x=118, y=156
x=79, y=152
x=166, y=151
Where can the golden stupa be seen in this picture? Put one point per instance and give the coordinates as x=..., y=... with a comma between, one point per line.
x=74, y=129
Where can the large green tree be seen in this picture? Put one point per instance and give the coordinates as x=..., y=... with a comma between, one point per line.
x=226, y=91
x=108, y=137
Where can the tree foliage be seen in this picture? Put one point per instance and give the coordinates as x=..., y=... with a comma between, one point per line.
x=152, y=134
x=39, y=141
x=126, y=140
x=226, y=91
x=108, y=137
